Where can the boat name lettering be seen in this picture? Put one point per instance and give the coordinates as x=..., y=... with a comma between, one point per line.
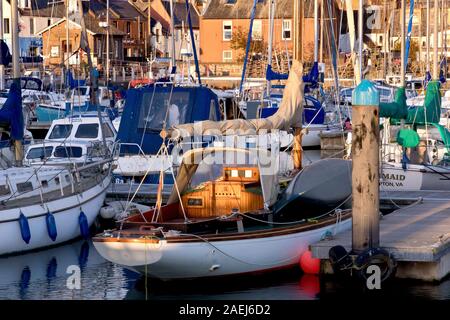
x=391, y=176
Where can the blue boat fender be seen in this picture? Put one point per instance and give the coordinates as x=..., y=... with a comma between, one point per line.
x=24, y=228
x=51, y=226
x=84, y=225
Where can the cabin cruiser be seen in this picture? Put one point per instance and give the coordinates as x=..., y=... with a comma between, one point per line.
x=78, y=100
x=47, y=204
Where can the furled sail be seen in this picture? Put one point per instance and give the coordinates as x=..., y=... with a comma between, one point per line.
x=288, y=115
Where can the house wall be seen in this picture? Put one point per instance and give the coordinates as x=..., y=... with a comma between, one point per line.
x=54, y=47
x=212, y=44
x=134, y=41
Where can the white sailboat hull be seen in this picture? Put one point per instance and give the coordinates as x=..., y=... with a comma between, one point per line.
x=414, y=178
x=66, y=211
x=177, y=260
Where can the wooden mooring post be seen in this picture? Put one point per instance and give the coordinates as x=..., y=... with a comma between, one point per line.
x=365, y=168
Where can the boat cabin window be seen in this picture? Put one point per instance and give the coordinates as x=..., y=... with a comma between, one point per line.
x=4, y=190
x=87, y=131
x=60, y=131
x=68, y=152
x=44, y=183
x=39, y=153
x=24, y=187
x=107, y=132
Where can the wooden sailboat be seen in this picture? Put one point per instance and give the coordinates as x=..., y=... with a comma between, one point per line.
x=221, y=218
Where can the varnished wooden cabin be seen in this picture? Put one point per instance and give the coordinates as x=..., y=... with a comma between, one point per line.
x=238, y=190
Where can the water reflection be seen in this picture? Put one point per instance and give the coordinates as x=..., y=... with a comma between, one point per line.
x=279, y=285
x=42, y=275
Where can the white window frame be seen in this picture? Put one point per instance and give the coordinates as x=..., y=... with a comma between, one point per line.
x=257, y=30
x=283, y=29
x=227, y=59
x=227, y=23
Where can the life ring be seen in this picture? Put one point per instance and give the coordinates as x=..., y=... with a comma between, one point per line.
x=375, y=256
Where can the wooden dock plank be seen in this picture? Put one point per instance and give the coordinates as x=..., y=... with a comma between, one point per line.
x=416, y=233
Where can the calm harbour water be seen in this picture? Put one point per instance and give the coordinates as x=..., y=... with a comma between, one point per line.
x=42, y=275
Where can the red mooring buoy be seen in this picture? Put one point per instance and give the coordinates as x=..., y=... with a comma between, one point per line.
x=309, y=264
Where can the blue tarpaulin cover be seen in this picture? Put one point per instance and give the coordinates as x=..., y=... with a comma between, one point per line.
x=11, y=116
x=147, y=108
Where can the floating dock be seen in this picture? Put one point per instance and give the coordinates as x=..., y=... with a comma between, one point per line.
x=417, y=236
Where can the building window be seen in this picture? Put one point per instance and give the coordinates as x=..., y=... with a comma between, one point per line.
x=115, y=24
x=49, y=22
x=128, y=26
x=227, y=55
x=257, y=30
x=286, y=30
x=31, y=26
x=6, y=25
x=227, y=30
x=142, y=30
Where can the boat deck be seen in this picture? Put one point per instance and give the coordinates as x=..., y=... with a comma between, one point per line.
x=417, y=235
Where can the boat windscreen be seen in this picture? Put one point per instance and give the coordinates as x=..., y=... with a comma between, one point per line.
x=60, y=131
x=39, y=153
x=174, y=110
x=68, y=152
x=89, y=130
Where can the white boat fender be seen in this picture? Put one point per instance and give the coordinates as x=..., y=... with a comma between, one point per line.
x=108, y=212
x=51, y=226
x=84, y=226
x=24, y=228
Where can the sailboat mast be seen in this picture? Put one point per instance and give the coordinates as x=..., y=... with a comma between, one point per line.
x=402, y=39
x=16, y=68
x=428, y=35
x=67, y=35
x=321, y=30
x=298, y=53
x=361, y=40
x=149, y=22
x=316, y=30
x=2, y=67
x=351, y=31
x=107, y=42
x=172, y=31
x=435, y=41
x=270, y=37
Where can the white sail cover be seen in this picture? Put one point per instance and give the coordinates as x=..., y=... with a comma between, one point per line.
x=288, y=115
